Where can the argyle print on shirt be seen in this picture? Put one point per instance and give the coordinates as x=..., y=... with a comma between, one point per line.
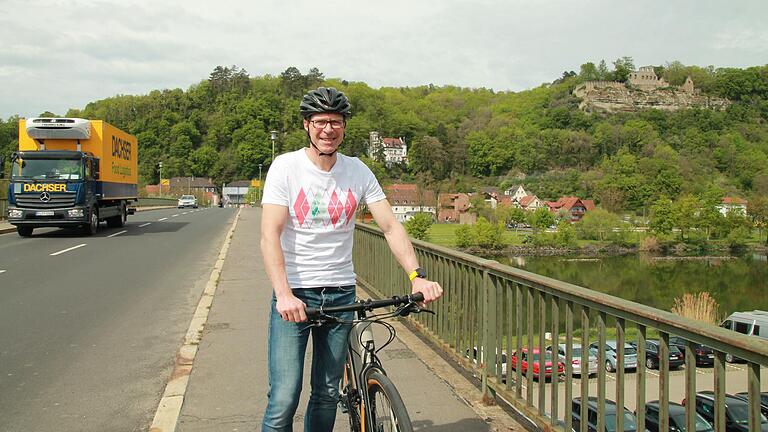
x=333, y=209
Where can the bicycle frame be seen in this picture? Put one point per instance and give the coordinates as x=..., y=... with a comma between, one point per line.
x=361, y=358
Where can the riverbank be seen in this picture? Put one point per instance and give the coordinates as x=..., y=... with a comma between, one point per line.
x=679, y=250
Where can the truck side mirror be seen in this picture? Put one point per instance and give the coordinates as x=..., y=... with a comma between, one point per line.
x=96, y=169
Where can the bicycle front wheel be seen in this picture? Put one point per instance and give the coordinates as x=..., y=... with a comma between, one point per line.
x=387, y=408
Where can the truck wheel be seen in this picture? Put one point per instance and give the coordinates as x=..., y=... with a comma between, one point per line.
x=24, y=231
x=93, y=226
x=119, y=220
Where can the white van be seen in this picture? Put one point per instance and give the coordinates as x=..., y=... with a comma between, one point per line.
x=753, y=323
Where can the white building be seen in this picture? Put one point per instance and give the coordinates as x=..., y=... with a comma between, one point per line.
x=393, y=150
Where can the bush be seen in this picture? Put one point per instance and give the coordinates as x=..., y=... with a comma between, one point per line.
x=488, y=235
x=566, y=234
x=701, y=307
x=737, y=238
x=418, y=226
x=465, y=236
x=650, y=244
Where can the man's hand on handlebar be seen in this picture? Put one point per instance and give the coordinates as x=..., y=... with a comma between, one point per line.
x=291, y=309
x=431, y=290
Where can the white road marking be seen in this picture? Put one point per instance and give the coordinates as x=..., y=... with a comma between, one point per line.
x=117, y=233
x=160, y=220
x=186, y=212
x=148, y=223
x=3, y=271
x=174, y=215
x=68, y=249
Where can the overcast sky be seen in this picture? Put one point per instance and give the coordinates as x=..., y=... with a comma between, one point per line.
x=56, y=55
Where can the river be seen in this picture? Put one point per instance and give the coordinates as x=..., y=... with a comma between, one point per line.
x=737, y=283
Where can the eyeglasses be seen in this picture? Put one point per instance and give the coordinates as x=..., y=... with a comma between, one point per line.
x=321, y=124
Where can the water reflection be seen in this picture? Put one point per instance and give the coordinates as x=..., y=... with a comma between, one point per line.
x=737, y=283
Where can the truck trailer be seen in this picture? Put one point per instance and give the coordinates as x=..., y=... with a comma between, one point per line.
x=72, y=173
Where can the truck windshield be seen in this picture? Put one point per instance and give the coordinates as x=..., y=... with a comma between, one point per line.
x=47, y=169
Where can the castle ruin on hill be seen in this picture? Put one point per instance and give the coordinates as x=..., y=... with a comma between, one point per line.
x=644, y=89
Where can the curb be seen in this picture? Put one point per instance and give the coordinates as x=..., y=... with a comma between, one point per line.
x=169, y=408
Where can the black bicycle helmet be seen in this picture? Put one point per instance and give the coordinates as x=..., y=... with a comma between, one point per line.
x=325, y=100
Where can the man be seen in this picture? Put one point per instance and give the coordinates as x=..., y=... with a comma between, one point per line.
x=309, y=203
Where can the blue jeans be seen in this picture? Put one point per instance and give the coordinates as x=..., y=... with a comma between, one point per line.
x=287, y=346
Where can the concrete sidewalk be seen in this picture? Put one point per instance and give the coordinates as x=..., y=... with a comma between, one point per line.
x=227, y=389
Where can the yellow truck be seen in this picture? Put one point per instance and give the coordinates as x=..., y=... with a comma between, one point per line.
x=72, y=173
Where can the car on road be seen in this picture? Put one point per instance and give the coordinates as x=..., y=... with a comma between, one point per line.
x=705, y=356
x=187, y=201
x=576, y=359
x=611, y=355
x=676, y=418
x=611, y=411
x=652, y=359
x=736, y=412
x=524, y=357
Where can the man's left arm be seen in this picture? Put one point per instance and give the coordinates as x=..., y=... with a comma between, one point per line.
x=400, y=244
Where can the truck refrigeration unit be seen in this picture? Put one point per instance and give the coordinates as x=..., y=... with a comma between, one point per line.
x=72, y=173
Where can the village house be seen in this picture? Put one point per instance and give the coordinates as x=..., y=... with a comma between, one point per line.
x=407, y=200
x=516, y=192
x=733, y=205
x=392, y=151
x=530, y=203
x=454, y=208
x=572, y=205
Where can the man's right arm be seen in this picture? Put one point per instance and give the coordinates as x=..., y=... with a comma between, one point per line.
x=273, y=220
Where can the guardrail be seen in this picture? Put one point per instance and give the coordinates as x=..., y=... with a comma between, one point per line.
x=492, y=308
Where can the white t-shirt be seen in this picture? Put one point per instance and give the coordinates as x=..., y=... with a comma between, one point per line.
x=317, y=240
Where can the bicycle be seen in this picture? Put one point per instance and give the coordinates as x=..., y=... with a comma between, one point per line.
x=378, y=406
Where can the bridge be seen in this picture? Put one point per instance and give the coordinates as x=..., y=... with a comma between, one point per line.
x=492, y=308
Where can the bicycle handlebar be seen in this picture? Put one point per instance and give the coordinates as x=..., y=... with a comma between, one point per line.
x=367, y=305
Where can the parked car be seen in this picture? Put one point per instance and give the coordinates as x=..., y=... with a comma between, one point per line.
x=705, y=356
x=652, y=359
x=630, y=355
x=524, y=357
x=503, y=360
x=676, y=418
x=763, y=401
x=576, y=360
x=611, y=411
x=187, y=201
x=736, y=412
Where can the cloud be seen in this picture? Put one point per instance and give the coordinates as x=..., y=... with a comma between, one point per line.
x=57, y=54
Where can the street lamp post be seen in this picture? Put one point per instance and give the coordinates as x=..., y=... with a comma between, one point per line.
x=260, y=186
x=160, y=164
x=273, y=136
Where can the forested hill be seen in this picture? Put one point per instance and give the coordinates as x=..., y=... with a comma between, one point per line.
x=460, y=138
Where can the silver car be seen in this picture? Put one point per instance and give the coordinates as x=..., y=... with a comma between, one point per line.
x=630, y=355
x=576, y=360
x=187, y=201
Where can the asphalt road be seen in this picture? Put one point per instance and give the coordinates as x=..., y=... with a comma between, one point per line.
x=90, y=325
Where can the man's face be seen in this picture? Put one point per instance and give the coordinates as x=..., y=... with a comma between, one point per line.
x=329, y=137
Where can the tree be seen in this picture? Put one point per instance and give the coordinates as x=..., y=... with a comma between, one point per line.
x=598, y=224
x=465, y=236
x=566, y=234
x=757, y=209
x=622, y=67
x=662, y=216
x=418, y=226
x=540, y=219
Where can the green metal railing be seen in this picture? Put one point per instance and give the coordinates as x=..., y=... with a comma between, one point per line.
x=489, y=309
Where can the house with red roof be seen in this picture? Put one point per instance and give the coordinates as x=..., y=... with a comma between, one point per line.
x=408, y=199
x=392, y=151
x=575, y=206
x=732, y=204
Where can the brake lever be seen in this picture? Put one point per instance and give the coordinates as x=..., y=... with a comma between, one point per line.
x=413, y=308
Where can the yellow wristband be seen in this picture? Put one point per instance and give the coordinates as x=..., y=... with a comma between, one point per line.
x=413, y=275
